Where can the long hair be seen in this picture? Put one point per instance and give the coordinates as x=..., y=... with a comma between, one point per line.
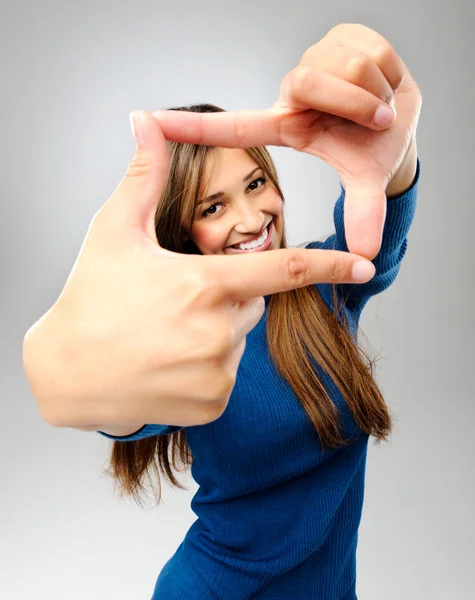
x=301, y=329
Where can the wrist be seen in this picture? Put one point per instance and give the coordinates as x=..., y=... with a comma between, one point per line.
x=404, y=176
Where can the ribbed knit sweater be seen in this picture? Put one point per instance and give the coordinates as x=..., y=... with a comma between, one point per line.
x=277, y=517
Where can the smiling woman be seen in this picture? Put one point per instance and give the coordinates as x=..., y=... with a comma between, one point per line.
x=216, y=201
x=246, y=208
x=281, y=471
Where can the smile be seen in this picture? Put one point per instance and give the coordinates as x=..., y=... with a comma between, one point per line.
x=265, y=245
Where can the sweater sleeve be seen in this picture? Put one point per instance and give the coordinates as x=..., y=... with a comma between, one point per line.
x=144, y=432
x=399, y=216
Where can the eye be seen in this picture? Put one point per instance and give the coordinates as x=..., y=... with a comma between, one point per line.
x=254, y=185
x=205, y=213
x=262, y=180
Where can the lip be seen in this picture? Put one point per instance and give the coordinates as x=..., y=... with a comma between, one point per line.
x=264, y=246
x=252, y=239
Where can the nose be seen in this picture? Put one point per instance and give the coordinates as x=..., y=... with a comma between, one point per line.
x=250, y=219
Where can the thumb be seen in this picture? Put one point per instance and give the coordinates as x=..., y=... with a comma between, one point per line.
x=364, y=215
x=133, y=203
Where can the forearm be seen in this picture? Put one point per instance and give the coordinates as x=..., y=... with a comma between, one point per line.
x=404, y=176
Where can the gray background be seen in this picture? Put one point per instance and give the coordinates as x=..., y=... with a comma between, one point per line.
x=70, y=74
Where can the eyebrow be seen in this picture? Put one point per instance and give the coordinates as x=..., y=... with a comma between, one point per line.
x=221, y=194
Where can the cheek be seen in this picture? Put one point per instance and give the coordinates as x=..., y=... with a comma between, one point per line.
x=278, y=210
x=276, y=205
x=207, y=239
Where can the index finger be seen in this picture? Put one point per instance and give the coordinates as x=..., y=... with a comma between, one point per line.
x=230, y=129
x=246, y=276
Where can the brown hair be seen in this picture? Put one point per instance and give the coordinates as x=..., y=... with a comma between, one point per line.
x=300, y=329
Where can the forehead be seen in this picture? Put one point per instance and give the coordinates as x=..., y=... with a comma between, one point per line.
x=225, y=165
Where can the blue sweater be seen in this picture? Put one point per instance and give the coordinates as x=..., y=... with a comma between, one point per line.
x=277, y=518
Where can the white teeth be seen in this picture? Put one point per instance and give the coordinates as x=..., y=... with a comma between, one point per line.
x=255, y=243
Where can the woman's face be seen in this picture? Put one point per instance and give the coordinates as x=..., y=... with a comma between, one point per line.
x=248, y=208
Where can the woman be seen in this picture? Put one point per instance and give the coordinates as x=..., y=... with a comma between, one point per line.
x=281, y=471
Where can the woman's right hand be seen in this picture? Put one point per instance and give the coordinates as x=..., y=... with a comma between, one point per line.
x=143, y=335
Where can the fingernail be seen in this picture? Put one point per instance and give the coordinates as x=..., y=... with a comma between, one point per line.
x=136, y=127
x=384, y=116
x=362, y=271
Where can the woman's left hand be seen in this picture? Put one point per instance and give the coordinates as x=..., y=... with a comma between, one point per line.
x=326, y=108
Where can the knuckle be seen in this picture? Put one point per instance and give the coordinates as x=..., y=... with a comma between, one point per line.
x=358, y=67
x=211, y=333
x=302, y=76
x=296, y=269
x=203, y=416
x=339, y=270
x=220, y=341
x=383, y=53
x=199, y=287
x=239, y=128
x=139, y=167
x=387, y=96
x=297, y=80
x=209, y=412
x=208, y=339
x=363, y=109
x=220, y=384
x=223, y=386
